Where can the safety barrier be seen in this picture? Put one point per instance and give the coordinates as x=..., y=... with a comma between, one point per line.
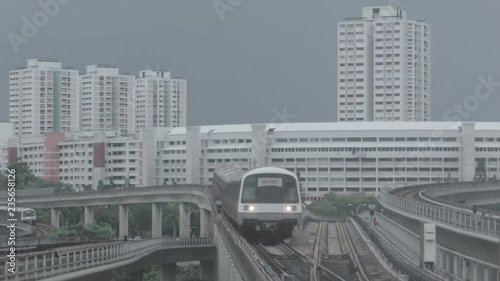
x=487, y=226
x=39, y=265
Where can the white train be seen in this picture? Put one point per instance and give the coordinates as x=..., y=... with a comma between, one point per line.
x=26, y=215
x=264, y=199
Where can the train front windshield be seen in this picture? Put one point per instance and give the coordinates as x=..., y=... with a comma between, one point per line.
x=270, y=188
x=28, y=213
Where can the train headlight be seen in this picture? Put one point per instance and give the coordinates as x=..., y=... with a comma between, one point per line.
x=250, y=208
x=288, y=208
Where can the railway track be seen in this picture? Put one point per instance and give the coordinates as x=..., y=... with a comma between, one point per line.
x=347, y=247
x=42, y=230
x=272, y=261
x=319, y=251
x=286, y=261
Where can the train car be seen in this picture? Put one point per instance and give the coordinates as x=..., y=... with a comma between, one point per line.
x=261, y=200
x=26, y=215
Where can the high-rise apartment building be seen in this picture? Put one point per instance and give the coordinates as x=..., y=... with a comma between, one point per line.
x=107, y=100
x=161, y=100
x=43, y=97
x=384, y=67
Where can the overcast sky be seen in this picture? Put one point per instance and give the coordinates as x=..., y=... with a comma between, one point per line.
x=262, y=55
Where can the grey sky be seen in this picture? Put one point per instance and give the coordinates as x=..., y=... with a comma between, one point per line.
x=263, y=55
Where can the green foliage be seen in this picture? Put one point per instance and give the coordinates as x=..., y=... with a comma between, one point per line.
x=43, y=216
x=108, y=215
x=170, y=217
x=102, y=230
x=184, y=273
x=335, y=204
x=480, y=172
x=26, y=179
x=140, y=218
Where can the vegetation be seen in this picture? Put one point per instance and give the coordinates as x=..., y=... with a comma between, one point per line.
x=102, y=230
x=184, y=273
x=480, y=173
x=340, y=204
x=25, y=179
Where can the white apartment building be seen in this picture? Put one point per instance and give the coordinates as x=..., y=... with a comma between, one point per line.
x=384, y=70
x=6, y=132
x=81, y=158
x=160, y=100
x=330, y=157
x=107, y=100
x=43, y=97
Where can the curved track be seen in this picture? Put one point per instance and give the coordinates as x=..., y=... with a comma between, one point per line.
x=42, y=230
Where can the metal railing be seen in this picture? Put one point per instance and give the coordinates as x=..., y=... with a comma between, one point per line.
x=466, y=267
x=433, y=193
x=407, y=242
x=488, y=227
x=39, y=265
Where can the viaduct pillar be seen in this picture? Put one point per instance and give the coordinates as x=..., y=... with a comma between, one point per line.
x=89, y=215
x=156, y=220
x=168, y=272
x=206, y=229
x=54, y=217
x=123, y=224
x=207, y=270
x=184, y=220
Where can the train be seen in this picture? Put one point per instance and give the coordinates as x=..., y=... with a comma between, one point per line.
x=26, y=215
x=261, y=201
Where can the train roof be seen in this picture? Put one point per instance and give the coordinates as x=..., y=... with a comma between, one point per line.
x=269, y=170
x=229, y=173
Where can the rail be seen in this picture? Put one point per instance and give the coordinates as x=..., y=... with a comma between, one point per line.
x=348, y=247
x=477, y=225
x=40, y=265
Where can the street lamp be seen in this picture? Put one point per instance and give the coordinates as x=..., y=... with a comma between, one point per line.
x=61, y=221
x=350, y=208
x=357, y=209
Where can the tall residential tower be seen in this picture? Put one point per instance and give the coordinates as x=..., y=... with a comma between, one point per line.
x=107, y=100
x=384, y=70
x=43, y=97
x=160, y=99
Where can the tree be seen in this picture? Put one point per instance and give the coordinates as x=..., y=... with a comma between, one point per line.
x=100, y=185
x=171, y=218
x=25, y=179
x=480, y=173
x=340, y=204
x=184, y=273
x=111, y=184
x=87, y=188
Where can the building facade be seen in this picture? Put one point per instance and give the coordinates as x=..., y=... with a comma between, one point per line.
x=333, y=157
x=107, y=100
x=384, y=67
x=43, y=97
x=358, y=157
x=160, y=100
